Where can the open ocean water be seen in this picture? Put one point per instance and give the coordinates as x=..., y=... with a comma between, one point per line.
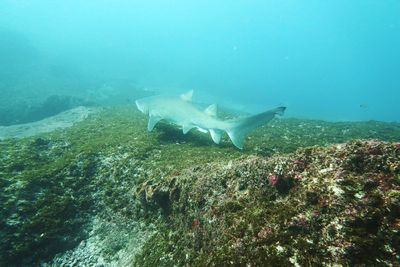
x=83, y=183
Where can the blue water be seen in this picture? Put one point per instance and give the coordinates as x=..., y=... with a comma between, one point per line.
x=332, y=60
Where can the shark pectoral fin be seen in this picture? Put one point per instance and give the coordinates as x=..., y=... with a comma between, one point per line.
x=187, y=96
x=152, y=122
x=187, y=128
x=141, y=106
x=279, y=110
x=237, y=138
x=211, y=110
x=216, y=135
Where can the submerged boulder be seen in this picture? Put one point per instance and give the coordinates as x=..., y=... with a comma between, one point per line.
x=340, y=205
x=24, y=112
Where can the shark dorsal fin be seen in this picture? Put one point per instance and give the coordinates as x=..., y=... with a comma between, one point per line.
x=187, y=96
x=211, y=110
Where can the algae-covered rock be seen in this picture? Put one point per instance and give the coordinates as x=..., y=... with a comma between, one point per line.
x=107, y=192
x=339, y=206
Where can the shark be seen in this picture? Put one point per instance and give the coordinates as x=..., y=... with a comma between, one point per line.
x=181, y=111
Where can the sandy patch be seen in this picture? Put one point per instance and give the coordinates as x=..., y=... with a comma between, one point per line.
x=62, y=120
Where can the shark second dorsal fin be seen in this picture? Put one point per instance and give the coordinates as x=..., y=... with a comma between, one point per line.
x=187, y=96
x=211, y=110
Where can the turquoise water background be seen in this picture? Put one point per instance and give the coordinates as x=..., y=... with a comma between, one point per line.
x=331, y=60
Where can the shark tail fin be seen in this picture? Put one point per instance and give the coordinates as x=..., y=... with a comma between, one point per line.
x=241, y=127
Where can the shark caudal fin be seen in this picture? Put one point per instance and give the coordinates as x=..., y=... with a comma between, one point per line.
x=241, y=127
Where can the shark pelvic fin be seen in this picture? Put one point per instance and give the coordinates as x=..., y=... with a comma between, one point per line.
x=187, y=96
x=187, y=128
x=211, y=110
x=237, y=138
x=216, y=135
x=152, y=122
x=201, y=130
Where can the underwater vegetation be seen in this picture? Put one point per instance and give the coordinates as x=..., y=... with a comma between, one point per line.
x=106, y=191
x=318, y=206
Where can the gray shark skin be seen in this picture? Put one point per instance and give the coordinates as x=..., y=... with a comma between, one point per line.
x=180, y=111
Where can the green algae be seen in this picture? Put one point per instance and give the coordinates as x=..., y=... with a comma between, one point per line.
x=332, y=215
x=52, y=184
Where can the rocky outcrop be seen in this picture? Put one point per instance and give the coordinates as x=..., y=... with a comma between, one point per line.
x=318, y=206
x=105, y=192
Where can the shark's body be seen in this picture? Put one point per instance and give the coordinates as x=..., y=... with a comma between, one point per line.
x=181, y=111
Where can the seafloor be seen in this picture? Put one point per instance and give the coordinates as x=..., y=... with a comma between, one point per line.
x=105, y=192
